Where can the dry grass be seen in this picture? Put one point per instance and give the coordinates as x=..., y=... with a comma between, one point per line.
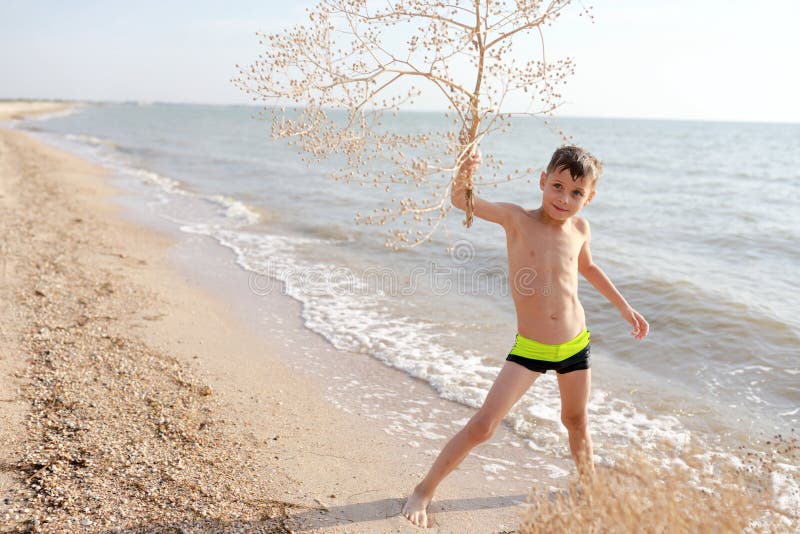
x=693, y=495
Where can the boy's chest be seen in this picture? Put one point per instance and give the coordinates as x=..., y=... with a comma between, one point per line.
x=544, y=249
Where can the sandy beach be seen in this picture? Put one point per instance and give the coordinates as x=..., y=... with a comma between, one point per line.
x=134, y=399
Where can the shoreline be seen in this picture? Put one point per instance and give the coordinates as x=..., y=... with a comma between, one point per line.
x=12, y=110
x=325, y=469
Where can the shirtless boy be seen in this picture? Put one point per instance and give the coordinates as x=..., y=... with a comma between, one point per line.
x=547, y=248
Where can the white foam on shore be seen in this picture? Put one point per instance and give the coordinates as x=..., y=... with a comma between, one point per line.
x=358, y=322
x=166, y=184
x=234, y=213
x=493, y=469
x=90, y=139
x=786, y=487
x=235, y=209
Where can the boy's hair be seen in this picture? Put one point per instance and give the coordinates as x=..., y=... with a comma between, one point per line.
x=579, y=162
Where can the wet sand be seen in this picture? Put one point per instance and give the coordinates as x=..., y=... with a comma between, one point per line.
x=135, y=397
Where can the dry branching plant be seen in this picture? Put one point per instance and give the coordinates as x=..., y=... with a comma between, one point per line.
x=333, y=87
x=698, y=493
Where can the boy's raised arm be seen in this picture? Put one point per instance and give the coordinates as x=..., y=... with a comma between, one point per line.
x=496, y=212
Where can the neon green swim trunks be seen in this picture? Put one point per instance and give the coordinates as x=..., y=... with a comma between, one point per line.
x=572, y=355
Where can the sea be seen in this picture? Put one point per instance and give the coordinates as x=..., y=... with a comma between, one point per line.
x=696, y=223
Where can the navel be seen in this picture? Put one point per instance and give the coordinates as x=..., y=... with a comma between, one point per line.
x=554, y=316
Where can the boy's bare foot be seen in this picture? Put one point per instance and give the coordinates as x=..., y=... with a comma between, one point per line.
x=416, y=508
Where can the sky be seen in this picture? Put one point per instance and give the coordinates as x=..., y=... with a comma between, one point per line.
x=698, y=60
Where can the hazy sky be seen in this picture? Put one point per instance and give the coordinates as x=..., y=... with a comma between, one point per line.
x=700, y=59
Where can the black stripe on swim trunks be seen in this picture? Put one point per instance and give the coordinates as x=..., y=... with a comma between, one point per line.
x=577, y=362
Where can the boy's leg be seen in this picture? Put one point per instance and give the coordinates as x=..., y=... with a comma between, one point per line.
x=512, y=382
x=574, y=387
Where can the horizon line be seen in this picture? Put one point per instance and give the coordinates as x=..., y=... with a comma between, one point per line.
x=248, y=104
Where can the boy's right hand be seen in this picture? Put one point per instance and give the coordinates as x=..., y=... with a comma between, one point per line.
x=471, y=164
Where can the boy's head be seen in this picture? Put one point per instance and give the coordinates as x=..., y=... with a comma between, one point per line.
x=581, y=164
x=569, y=181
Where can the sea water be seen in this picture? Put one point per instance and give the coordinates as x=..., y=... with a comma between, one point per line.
x=697, y=224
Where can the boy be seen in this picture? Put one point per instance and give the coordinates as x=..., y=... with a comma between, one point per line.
x=547, y=248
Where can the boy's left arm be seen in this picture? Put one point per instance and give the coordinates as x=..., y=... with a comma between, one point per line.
x=600, y=281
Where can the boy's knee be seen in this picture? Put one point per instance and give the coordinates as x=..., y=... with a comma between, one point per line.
x=480, y=429
x=574, y=422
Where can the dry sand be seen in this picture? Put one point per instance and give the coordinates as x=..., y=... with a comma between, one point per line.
x=132, y=399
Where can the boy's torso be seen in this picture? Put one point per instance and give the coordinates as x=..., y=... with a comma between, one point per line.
x=543, y=277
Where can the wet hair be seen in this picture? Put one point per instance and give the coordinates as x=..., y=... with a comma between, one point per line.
x=579, y=162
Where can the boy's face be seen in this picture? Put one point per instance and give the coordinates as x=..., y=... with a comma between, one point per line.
x=564, y=197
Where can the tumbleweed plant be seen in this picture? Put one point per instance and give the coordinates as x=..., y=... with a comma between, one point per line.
x=334, y=86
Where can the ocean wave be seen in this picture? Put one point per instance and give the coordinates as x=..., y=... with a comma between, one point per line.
x=331, y=231
x=165, y=183
x=359, y=322
x=235, y=209
x=109, y=154
x=90, y=140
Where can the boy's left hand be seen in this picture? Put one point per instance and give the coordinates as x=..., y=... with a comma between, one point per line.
x=640, y=326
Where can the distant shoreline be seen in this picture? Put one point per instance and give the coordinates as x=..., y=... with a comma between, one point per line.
x=82, y=103
x=17, y=109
